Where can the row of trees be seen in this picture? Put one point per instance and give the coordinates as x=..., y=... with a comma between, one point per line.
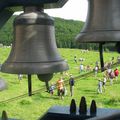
x=65, y=32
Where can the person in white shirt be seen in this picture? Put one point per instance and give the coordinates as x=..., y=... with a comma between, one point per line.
x=96, y=70
x=81, y=67
x=100, y=83
x=104, y=82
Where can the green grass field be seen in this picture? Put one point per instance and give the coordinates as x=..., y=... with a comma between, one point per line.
x=18, y=105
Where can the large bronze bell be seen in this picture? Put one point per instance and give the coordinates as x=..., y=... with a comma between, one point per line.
x=103, y=22
x=34, y=50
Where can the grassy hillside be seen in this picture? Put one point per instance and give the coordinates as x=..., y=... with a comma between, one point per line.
x=18, y=105
x=65, y=32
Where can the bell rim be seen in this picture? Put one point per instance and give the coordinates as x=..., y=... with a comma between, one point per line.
x=111, y=36
x=36, y=68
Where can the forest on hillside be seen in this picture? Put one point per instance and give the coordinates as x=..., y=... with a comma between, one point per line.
x=65, y=33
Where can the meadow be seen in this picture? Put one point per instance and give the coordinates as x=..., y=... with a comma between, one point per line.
x=18, y=104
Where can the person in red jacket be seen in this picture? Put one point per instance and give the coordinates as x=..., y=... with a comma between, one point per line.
x=116, y=72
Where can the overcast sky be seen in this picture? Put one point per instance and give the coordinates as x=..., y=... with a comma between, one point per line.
x=73, y=9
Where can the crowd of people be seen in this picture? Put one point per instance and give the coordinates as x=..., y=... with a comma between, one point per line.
x=109, y=75
x=61, y=88
x=86, y=68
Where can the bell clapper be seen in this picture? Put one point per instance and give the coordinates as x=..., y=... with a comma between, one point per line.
x=45, y=78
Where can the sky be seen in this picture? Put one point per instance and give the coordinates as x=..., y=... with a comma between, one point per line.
x=73, y=9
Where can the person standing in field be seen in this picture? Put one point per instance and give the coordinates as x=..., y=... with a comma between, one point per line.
x=71, y=83
x=104, y=82
x=20, y=77
x=112, y=61
x=96, y=63
x=51, y=89
x=88, y=68
x=96, y=70
x=60, y=87
x=111, y=77
x=100, y=83
x=116, y=72
x=75, y=59
x=81, y=68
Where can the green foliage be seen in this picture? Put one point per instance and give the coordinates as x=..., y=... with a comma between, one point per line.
x=114, y=101
x=6, y=33
x=3, y=104
x=65, y=32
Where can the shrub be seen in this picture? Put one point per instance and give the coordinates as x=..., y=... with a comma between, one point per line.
x=25, y=102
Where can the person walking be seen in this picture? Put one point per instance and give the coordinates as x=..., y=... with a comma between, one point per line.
x=20, y=77
x=96, y=70
x=71, y=83
x=104, y=82
x=81, y=68
x=75, y=59
x=51, y=89
x=116, y=72
x=100, y=83
x=60, y=87
x=111, y=77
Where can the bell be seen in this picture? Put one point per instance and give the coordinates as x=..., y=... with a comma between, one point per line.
x=103, y=22
x=102, y=25
x=34, y=50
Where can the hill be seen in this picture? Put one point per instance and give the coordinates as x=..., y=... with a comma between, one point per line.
x=65, y=32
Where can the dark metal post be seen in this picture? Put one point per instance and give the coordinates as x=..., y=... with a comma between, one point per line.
x=93, y=108
x=101, y=56
x=73, y=107
x=4, y=115
x=83, y=106
x=29, y=85
x=47, y=85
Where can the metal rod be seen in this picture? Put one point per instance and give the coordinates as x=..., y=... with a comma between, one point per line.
x=101, y=56
x=47, y=85
x=29, y=85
